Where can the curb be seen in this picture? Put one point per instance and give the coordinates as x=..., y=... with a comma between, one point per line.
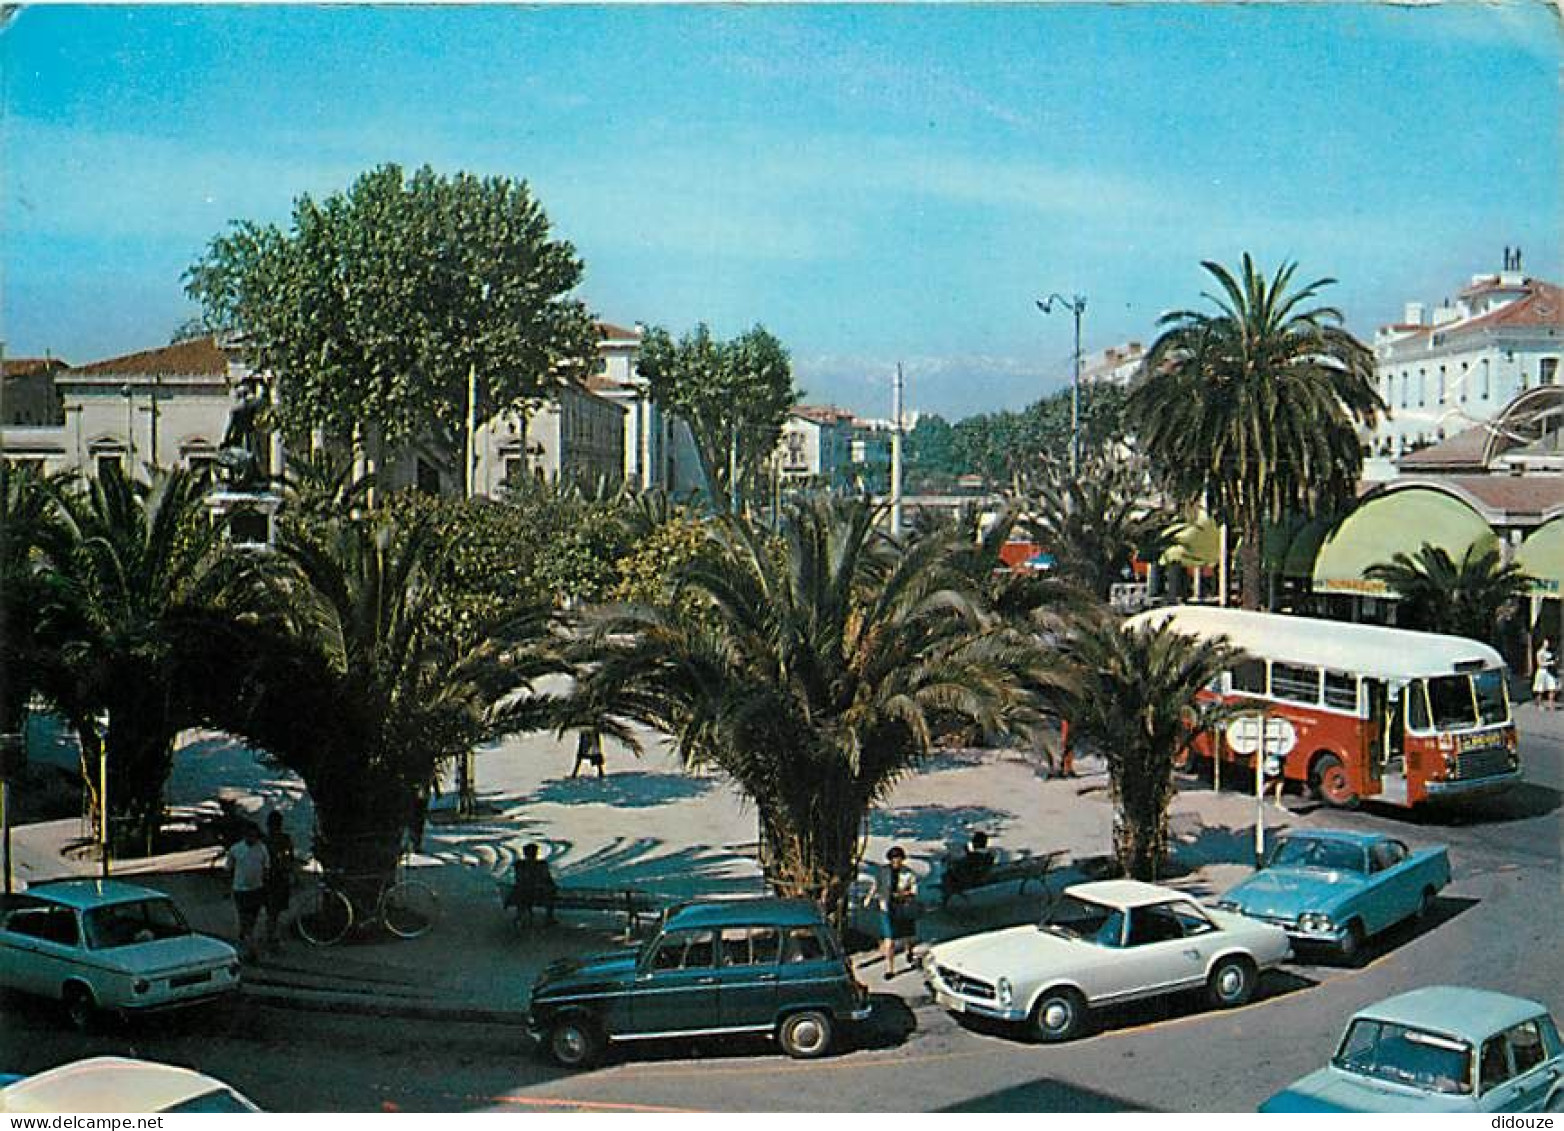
x=328, y=1002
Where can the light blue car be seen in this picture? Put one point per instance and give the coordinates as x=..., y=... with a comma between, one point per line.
x=1438, y=1049
x=1336, y=889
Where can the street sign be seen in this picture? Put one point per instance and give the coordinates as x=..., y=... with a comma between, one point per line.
x=13, y=756
x=1244, y=735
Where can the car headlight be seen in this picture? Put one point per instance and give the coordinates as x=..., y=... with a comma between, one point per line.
x=1315, y=921
x=141, y=985
x=1006, y=993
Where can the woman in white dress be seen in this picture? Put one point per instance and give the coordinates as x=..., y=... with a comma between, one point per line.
x=1544, y=681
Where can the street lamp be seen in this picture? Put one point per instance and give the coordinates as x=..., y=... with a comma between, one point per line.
x=1076, y=306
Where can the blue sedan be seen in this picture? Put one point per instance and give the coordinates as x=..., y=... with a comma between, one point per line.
x=1336, y=889
x=1438, y=1049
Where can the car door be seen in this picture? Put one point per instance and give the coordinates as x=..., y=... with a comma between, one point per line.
x=1157, y=956
x=1535, y=1072
x=676, y=985
x=1495, y=1076
x=43, y=948
x=747, y=978
x=1392, y=894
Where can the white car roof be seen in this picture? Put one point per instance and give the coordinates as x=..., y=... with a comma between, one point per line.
x=107, y=1083
x=1126, y=893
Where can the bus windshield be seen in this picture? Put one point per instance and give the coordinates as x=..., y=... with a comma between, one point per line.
x=1460, y=702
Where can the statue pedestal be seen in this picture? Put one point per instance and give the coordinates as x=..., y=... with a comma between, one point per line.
x=249, y=515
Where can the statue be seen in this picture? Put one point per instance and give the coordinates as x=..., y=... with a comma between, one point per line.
x=239, y=455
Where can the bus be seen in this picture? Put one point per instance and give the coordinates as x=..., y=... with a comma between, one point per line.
x=1403, y=717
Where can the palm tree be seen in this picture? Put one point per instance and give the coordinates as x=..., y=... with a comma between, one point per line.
x=806, y=667
x=356, y=669
x=1471, y=599
x=1096, y=521
x=1133, y=696
x=1254, y=410
x=133, y=574
x=30, y=530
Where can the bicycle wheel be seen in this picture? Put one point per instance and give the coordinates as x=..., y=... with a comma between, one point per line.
x=325, y=917
x=409, y=908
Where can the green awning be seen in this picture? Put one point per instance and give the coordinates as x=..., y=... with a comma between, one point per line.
x=1197, y=543
x=1397, y=522
x=1542, y=556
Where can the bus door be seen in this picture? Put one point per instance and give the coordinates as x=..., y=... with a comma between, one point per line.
x=1387, y=736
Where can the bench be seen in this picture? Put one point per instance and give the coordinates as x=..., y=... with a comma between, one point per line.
x=632, y=903
x=1019, y=870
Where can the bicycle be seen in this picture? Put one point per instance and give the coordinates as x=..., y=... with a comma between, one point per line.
x=326, y=915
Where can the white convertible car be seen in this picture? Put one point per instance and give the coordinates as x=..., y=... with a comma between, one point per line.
x=107, y=945
x=1100, y=944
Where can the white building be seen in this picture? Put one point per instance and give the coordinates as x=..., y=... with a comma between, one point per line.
x=1458, y=368
x=1116, y=365
x=816, y=444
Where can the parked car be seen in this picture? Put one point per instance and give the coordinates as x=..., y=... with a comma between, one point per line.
x=1337, y=889
x=106, y=945
x=1099, y=944
x=111, y=1083
x=767, y=966
x=1438, y=1049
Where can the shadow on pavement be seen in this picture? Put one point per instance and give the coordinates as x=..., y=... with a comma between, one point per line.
x=626, y=789
x=937, y=822
x=1045, y=1094
x=888, y=1027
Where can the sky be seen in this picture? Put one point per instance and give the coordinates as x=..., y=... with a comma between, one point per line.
x=873, y=183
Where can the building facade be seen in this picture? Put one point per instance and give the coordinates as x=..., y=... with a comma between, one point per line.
x=1456, y=368
x=1117, y=365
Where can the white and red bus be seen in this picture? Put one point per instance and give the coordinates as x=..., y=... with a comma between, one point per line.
x=1404, y=717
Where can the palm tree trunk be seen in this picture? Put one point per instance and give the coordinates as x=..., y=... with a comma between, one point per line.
x=1251, y=563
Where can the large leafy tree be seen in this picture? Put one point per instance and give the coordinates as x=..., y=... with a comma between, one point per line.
x=1471, y=598
x=734, y=394
x=1132, y=695
x=805, y=667
x=374, y=304
x=1254, y=410
x=1096, y=521
x=135, y=575
x=1002, y=446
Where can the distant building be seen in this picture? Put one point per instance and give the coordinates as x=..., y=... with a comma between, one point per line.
x=1117, y=365
x=816, y=445
x=1458, y=368
x=28, y=397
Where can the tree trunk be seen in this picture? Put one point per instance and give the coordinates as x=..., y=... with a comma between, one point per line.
x=1252, y=564
x=362, y=819
x=815, y=858
x=140, y=756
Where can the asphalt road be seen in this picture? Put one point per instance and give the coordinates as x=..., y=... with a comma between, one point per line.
x=1497, y=926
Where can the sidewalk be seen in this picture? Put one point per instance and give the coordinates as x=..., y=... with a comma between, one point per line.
x=647, y=825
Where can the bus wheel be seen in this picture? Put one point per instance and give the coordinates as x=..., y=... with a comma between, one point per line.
x=1331, y=785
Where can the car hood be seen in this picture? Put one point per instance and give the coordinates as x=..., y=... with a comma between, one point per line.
x=1286, y=893
x=573, y=975
x=1331, y=1089
x=1011, y=952
x=167, y=956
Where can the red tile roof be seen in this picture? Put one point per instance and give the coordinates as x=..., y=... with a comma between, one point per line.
x=608, y=331
x=823, y=414
x=27, y=366
x=1464, y=449
x=198, y=355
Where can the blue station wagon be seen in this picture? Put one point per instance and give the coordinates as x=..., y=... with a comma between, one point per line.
x=766, y=966
x=1335, y=889
x=1438, y=1049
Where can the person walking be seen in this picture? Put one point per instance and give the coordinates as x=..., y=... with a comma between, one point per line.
x=247, y=865
x=589, y=752
x=280, y=866
x=1545, y=680
x=895, y=896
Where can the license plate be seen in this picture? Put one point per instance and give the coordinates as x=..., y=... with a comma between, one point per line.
x=189, y=980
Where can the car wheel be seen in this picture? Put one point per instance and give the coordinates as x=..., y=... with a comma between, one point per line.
x=1058, y=1015
x=1331, y=784
x=1232, y=982
x=1351, y=947
x=81, y=1009
x=574, y=1042
x=806, y=1035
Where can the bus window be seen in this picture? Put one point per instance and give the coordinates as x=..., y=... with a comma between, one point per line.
x=1295, y=683
x=1249, y=676
x=1493, y=705
x=1341, y=691
x=1417, y=706
x=1451, y=703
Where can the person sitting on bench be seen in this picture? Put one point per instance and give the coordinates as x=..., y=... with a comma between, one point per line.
x=970, y=870
x=531, y=885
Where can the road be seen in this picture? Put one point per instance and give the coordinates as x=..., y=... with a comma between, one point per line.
x=1497, y=926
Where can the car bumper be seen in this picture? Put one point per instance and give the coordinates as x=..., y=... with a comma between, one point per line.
x=1475, y=787
x=947, y=998
x=206, y=995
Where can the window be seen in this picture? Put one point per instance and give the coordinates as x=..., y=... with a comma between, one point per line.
x=750, y=946
x=1249, y=676
x=1441, y=384
x=684, y=950
x=1153, y=924
x=1547, y=370
x=1451, y=703
x=1417, y=706
x=803, y=944
x=1341, y=691
x=1526, y=1047
x=1404, y=380
x=109, y=463
x=1386, y=855
x=1192, y=920
x=1487, y=380
x=1295, y=683
x=1422, y=388
x=1384, y=1050
x=51, y=924
x=1495, y=1063
x=122, y=924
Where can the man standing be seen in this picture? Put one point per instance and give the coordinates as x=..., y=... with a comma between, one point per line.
x=247, y=862
x=280, y=866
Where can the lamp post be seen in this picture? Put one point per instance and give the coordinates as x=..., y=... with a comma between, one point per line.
x=1076, y=305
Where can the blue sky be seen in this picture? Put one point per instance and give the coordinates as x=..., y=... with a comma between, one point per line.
x=873, y=183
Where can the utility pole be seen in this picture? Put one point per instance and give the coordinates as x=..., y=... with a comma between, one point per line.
x=896, y=391
x=1076, y=305
x=466, y=775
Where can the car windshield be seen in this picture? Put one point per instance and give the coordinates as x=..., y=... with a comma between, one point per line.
x=139, y=921
x=1079, y=918
x=1387, y=1051
x=1313, y=852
